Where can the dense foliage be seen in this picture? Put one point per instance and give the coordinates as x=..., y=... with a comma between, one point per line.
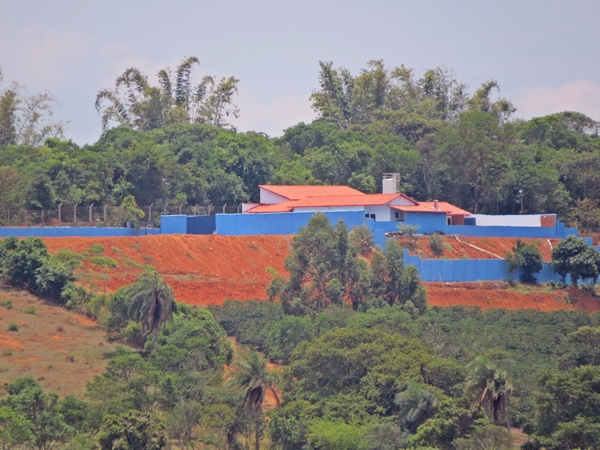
x=448, y=144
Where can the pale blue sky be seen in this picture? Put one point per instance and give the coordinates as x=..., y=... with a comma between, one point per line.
x=544, y=53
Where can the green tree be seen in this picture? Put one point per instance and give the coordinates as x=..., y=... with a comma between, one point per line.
x=151, y=302
x=136, y=104
x=573, y=257
x=529, y=258
x=492, y=388
x=36, y=415
x=132, y=430
x=416, y=404
x=252, y=375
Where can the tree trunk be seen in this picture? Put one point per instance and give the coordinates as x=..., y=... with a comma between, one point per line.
x=257, y=432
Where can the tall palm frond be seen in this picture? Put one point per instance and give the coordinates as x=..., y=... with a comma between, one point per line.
x=116, y=111
x=417, y=404
x=251, y=374
x=491, y=386
x=183, y=82
x=151, y=302
x=134, y=81
x=164, y=81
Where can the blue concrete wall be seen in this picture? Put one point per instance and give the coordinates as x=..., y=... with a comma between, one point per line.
x=279, y=223
x=176, y=224
x=201, y=224
x=427, y=222
x=456, y=270
x=74, y=232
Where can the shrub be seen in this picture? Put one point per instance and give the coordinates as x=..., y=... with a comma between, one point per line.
x=104, y=262
x=73, y=296
x=8, y=304
x=7, y=352
x=13, y=326
x=30, y=310
x=96, y=249
x=68, y=258
x=436, y=243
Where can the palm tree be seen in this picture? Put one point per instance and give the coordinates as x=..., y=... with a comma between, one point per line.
x=151, y=302
x=252, y=375
x=417, y=404
x=492, y=388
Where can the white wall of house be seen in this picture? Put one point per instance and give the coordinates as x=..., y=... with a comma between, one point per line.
x=247, y=206
x=268, y=197
x=382, y=213
x=526, y=220
x=328, y=208
x=401, y=201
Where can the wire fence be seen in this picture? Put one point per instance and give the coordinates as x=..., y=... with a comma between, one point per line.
x=102, y=216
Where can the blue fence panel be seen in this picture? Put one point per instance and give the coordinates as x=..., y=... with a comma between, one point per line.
x=279, y=223
x=201, y=224
x=74, y=232
x=460, y=270
x=176, y=224
x=427, y=222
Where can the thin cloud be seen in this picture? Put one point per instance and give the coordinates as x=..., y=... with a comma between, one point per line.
x=580, y=95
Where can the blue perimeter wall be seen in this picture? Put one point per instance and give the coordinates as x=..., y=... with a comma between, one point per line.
x=455, y=270
x=280, y=223
x=75, y=232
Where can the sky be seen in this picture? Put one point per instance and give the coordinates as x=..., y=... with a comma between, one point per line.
x=543, y=53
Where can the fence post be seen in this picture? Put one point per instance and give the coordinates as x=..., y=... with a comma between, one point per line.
x=150, y=212
x=59, y=213
x=42, y=217
x=91, y=204
x=209, y=208
x=75, y=213
x=105, y=215
x=224, y=206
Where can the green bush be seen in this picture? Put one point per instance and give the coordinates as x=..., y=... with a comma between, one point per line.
x=96, y=249
x=104, y=262
x=68, y=257
x=30, y=310
x=74, y=296
x=13, y=326
x=8, y=304
x=436, y=243
x=361, y=239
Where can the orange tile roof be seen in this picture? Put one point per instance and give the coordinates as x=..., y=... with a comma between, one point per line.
x=345, y=200
x=429, y=207
x=298, y=192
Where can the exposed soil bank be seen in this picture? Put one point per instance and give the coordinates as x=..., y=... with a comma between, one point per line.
x=200, y=269
x=501, y=295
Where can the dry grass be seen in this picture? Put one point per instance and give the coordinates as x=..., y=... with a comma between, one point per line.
x=59, y=348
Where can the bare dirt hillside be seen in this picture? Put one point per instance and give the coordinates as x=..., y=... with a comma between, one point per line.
x=61, y=349
x=479, y=247
x=207, y=270
x=201, y=270
x=488, y=295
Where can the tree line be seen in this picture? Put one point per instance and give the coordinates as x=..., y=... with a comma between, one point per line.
x=446, y=142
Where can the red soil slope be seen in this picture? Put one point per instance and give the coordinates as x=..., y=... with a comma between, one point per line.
x=201, y=270
x=502, y=295
x=207, y=270
x=457, y=248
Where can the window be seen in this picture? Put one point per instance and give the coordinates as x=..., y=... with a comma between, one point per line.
x=373, y=216
x=400, y=216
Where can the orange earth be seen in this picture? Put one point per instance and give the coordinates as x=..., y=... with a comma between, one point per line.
x=207, y=270
x=486, y=295
x=200, y=269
